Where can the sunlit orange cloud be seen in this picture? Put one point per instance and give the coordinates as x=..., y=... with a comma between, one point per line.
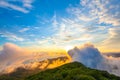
x=105, y=50
x=25, y=56
x=48, y=49
x=54, y=51
x=58, y=63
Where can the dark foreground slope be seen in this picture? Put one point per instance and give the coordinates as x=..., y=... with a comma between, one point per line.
x=73, y=71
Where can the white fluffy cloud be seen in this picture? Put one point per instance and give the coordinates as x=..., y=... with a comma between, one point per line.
x=88, y=55
x=12, y=55
x=91, y=57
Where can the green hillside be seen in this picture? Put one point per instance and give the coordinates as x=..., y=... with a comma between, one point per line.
x=73, y=71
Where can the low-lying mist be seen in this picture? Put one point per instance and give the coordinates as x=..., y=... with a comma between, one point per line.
x=13, y=56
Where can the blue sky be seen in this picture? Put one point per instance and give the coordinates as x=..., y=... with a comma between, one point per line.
x=41, y=23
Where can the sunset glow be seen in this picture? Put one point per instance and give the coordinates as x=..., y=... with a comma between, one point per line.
x=67, y=48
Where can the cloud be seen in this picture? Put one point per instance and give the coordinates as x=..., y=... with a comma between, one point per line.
x=113, y=40
x=26, y=5
x=112, y=65
x=54, y=21
x=114, y=35
x=24, y=29
x=11, y=36
x=88, y=55
x=91, y=57
x=117, y=54
x=97, y=11
x=13, y=56
x=8, y=51
x=71, y=31
x=9, y=55
x=101, y=10
x=88, y=20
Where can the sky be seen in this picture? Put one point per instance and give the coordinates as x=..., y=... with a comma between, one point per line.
x=37, y=24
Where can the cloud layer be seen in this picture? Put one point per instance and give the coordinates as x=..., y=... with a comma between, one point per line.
x=13, y=56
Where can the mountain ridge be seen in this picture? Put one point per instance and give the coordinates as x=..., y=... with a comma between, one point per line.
x=73, y=71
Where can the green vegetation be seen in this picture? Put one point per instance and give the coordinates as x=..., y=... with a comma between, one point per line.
x=19, y=74
x=73, y=71
x=70, y=71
